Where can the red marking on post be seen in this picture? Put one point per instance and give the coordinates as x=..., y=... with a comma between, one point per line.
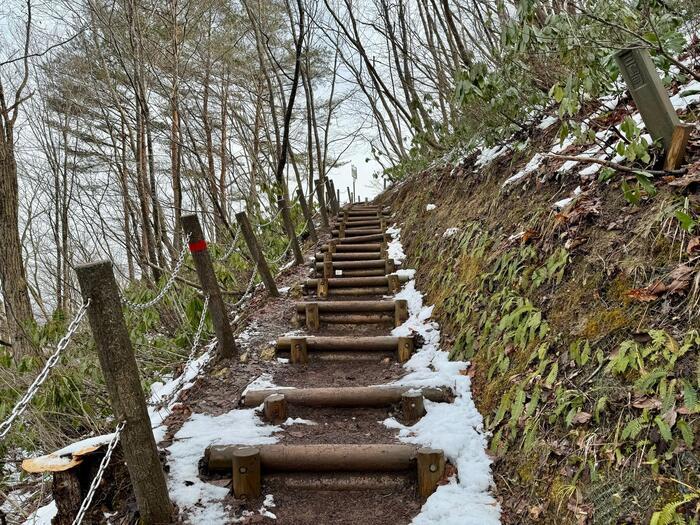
x=198, y=246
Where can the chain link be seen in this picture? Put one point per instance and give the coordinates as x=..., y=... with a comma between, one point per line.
x=190, y=358
x=98, y=477
x=168, y=284
x=21, y=406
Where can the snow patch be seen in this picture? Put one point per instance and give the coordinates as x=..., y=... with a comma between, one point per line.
x=395, y=248
x=42, y=515
x=450, y=232
x=535, y=163
x=548, y=122
x=430, y=207
x=489, y=155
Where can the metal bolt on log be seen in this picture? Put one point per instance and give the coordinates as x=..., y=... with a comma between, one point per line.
x=246, y=472
x=207, y=278
x=257, y=254
x=121, y=375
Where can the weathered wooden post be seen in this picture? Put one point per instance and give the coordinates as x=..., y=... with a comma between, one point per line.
x=121, y=374
x=431, y=468
x=291, y=234
x=327, y=269
x=322, y=204
x=307, y=215
x=246, y=472
x=299, y=350
x=412, y=406
x=257, y=254
x=404, y=349
x=393, y=283
x=207, y=278
x=322, y=288
x=400, y=312
x=275, y=408
x=313, y=322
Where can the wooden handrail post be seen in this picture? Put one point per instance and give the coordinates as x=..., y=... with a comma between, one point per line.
x=289, y=227
x=322, y=203
x=257, y=254
x=307, y=215
x=121, y=375
x=207, y=278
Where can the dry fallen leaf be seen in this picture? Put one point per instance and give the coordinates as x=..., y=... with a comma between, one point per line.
x=693, y=246
x=646, y=402
x=581, y=418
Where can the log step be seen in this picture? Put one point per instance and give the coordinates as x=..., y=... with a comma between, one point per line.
x=354, y=282
x=344, y=344
x=373, y=247
x=349, y=306
x=248, y=463
x=358, y=256
x=357, y=232
x=343, y=397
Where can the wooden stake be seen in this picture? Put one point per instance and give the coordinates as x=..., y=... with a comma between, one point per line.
x=390, y=267
x=404, y=349
x=207, y=278
x=322, y=288
x=412, y=406
x=394, y=283
x=257, y=254
x=121, y=375
x=308, y=216
x=327, y=269
x=275, y=407
x=679, y=142
x=400, y=312
x=246, y=472
x=431, y=468
x=341, y=231
x=299, y=351
x=313, y=322
x=332, y=245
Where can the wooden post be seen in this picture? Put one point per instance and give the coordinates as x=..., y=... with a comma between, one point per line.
x=246, y=472
x=400, y=312
x=322, y=204
x=412, y=406
x=332, y=246
x=431, y=468
x=322, y=288
x=307, y=215
x=289, y=228
x=383, y=250
x=350, y=199
x=341, y=230
x=328, y=257
x=313, y=322
x=299, y=350
x=394, y=283
x=390, y=267
x=404, y=349
x=257, y=254
x=679, y=142
x=207, y=278
x=327, y=269
x=121, y=375
x=275, y=408
x=337, y=200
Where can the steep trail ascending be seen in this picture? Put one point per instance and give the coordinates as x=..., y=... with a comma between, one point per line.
x=339, y=464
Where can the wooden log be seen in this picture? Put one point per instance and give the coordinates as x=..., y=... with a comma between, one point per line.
x=358, y=292
x=359, y=273
x=350, y=306
x=362, y=223
x=679, y=142
x=320, y=192
x=257, y=254
x=210, y=285
x=400, y=312
x=340, y=357
x=344, y=397
x=389, y=266
x=343, y=343
x=275, y=407
x=349, y=282
x=313, y=322
x=354, y=265
x=356, y=318
x=362, y=239
x=431, y=468
x=412, y=406
x=319, y=458
x=299, y=351
x=246, y=463
x=405, y=347
x=327, y=269
x=355, y=232
x=123, y=382
x=345, y=248
x=350, y=256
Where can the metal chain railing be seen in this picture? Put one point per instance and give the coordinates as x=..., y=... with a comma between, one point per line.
x=232, y=248
x=22, y=404
x=98, y=477
x=190, y=358
x=168, y=284
x=251, y=285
